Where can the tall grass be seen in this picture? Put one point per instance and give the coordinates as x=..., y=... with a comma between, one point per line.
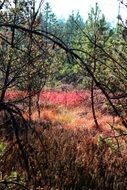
x=72, y=160
x=68, y=158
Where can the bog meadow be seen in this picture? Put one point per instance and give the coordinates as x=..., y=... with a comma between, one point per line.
x=63, y=99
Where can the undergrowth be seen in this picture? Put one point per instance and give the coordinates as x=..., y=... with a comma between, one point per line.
x=66, y=152
x=70, y=160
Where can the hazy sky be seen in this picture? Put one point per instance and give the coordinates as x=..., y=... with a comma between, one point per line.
x=62, y=8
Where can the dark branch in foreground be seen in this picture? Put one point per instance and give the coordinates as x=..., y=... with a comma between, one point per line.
x=6, y=183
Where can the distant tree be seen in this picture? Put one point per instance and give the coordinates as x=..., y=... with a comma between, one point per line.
x=72, y=35
x=48, y=19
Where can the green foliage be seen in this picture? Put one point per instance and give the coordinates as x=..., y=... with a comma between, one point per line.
x=97, y=35
x=2, y=147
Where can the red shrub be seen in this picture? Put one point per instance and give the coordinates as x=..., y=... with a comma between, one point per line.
x=67, y=99
x=15, y=94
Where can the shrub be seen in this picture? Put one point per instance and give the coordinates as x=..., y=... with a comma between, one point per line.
x=71, y=160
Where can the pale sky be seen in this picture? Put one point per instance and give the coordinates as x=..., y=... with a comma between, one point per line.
x=62, y=8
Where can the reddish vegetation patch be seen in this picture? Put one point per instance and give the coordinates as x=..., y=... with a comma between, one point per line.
x=68, y=99
x=79, y=114
x=12, y=95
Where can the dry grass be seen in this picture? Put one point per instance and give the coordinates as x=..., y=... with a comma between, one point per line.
x=71, y=154
x=67, y=159
x=79, y=117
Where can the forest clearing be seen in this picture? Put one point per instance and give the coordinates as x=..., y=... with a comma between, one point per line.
x=63, y=97
x=73, y=143
x=72, y=109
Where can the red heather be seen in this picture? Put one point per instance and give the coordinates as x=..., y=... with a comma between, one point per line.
x=64, y=98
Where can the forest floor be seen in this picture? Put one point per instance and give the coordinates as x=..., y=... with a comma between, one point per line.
x=72, y=110
x=76, y=150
